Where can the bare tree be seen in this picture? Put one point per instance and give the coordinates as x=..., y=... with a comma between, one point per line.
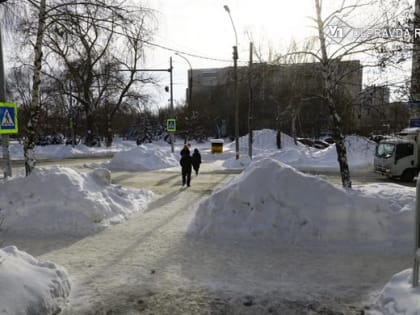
x=80, y=31
x=29, y=143
x=333, y=49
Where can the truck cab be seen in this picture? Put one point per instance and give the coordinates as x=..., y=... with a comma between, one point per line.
x=398, y=157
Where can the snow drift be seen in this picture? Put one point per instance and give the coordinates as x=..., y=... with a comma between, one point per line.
x=360, y=152
x=61, y=201
x=143, y=158
x=29, y=286
x=272, y=201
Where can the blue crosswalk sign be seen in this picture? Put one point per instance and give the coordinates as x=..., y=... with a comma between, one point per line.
x=171, y=125
x=8, y=118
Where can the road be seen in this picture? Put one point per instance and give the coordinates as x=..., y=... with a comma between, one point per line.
x=149, y=265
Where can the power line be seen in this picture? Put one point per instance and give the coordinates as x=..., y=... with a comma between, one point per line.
x=186, y=53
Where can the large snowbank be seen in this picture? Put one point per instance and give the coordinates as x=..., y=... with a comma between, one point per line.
x=272, y=201
x=360, y=153
x=61, y=151
x=29, y=286
x=61, y=201
x=143, y=158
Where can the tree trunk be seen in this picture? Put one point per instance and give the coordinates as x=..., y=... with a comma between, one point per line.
x=31, y=127
x=90, y=137
x=337, y=135
x=328, y=71
x=108, y=139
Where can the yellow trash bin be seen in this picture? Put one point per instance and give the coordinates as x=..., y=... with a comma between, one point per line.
x=216, y=145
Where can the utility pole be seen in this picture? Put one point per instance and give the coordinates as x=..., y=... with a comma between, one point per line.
x=415, y=95
x=7, y=169
x=235, y=79
x=190, y=79
x=251, y=96
x=171, y=102
x=73, y=136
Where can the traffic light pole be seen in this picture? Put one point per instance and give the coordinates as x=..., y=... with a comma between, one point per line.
x=170, y=70
x=171, y=102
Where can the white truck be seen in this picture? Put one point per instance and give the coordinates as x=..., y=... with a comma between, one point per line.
x=398, y=157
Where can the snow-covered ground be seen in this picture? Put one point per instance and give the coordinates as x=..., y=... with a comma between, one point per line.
x=269, y=201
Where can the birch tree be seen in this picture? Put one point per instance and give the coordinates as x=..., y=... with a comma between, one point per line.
x=53, y=17
x=331, y=33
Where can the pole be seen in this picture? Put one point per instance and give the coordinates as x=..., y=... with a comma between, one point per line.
x=190, y=79
x=415, y=277
x=171, y=102
x=235, y=76
x=73, y=136
x=190, y=83
x=250, y=135
x=7, y=169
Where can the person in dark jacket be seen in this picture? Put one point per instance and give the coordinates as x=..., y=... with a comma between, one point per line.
x=185, y=150
x=186, y=165
x=196, y=160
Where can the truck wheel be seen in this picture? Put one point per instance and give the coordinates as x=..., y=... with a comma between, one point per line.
x=407, y=176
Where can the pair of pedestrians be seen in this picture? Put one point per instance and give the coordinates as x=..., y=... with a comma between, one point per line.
x=188, y=162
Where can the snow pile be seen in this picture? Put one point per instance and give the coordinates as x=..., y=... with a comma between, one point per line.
x=143, y=158
x=61, y=151
x=398, y=296
x=273, y=201
x=266, y=139
x=29, y=286
x=360, y=151
x=233, y=163
x=399, y=198
x=360, y=154
x=264, y=143
x=61, y=201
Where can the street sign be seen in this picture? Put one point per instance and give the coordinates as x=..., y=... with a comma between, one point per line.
x=171, y=125
x=8, y=118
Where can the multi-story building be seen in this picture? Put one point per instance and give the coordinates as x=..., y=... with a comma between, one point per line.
x=284, y=96
x=377, y=115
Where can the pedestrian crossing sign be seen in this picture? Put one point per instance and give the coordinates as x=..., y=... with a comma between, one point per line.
x=171, y=125
x=8, y=118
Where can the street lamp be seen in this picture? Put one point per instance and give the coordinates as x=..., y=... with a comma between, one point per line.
x=235, y=79
x=190, y=80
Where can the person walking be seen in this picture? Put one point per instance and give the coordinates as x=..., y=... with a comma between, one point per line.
x=186, y=166
x=196, y=161
x=185, y=150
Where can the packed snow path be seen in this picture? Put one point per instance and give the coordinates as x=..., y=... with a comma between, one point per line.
x=148, y=265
